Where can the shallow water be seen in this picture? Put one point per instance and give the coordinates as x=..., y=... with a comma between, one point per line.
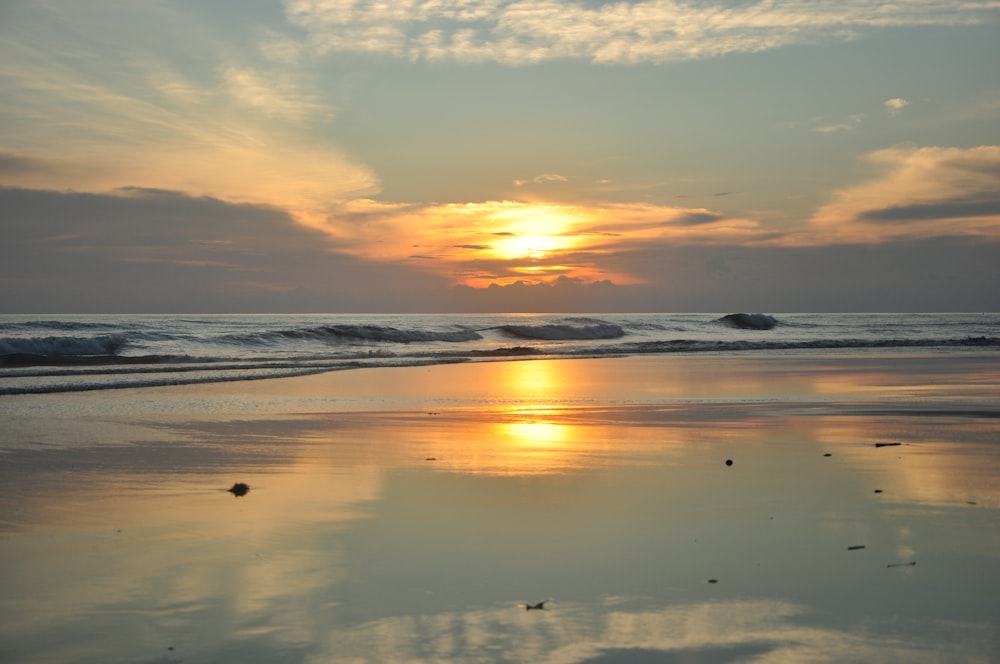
x=404, y=514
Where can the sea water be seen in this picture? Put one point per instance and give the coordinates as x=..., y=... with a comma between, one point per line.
x=73, y=353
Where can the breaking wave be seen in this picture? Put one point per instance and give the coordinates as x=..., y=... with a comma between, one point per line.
x=749, y=321
x=106, y=344
x=564, y=332
x=358, y=334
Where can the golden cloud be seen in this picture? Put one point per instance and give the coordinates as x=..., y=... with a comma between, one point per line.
x=504, y=241
x=921, y=193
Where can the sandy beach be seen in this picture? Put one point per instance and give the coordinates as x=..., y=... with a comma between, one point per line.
x=769, y=508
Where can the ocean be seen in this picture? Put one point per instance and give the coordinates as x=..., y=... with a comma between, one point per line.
x=774, y=488
x=44, y=354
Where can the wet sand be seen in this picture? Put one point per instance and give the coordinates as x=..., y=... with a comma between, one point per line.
x=405, y=514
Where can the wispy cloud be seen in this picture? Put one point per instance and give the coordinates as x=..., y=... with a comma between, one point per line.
x=528, y=31
x=137, y=113
x=850, y=123
x=276, y=94
x=921, y=192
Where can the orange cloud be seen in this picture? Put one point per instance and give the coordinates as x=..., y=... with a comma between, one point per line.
x=536, y=242
x=921, y=193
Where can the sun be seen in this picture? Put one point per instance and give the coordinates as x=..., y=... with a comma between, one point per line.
x=536, y=247
x=534, y=232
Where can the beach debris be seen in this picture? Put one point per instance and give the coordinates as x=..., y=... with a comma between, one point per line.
x=828, y=455
x=239, y=489
x=971, y=502
x=729, y=462
x=855, y=547
x=431, y=459
x=887, y=444
x=878, y=490
x=535, y=607
x=713, y=580
x=909, y=564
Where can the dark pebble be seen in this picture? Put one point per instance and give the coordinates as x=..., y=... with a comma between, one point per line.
x=729, y=462
x=239, y=489
x=828, y=455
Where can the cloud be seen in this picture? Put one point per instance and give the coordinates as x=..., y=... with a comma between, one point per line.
x=512, y=241
x=530, y=31
x=545, y=178
x=849, y=124
x=895, y=105
x=920, y=193
x=143, y=250
x=152, y=250
x=275, y=94
x=135, y=111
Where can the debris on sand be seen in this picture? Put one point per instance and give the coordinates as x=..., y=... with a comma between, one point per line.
x=887, y=444
x=909, y=564
x=534, y=607
x=828, y=455
x=856, y=547
x=878, y=490
x=239, y=489
x=713, y=580
x=729, y=462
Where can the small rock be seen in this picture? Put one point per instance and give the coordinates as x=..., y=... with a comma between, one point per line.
x=239, y=489
x=729, y=462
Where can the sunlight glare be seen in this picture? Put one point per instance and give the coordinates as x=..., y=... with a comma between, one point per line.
x=535, y=232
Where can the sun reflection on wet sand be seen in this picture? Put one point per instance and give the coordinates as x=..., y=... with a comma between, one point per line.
x=407, y=523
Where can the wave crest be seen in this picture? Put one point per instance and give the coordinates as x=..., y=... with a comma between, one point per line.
x=107, y=344
x=563, y=332
x=749, y=321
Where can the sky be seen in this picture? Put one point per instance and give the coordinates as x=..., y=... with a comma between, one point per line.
x=499, y=155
